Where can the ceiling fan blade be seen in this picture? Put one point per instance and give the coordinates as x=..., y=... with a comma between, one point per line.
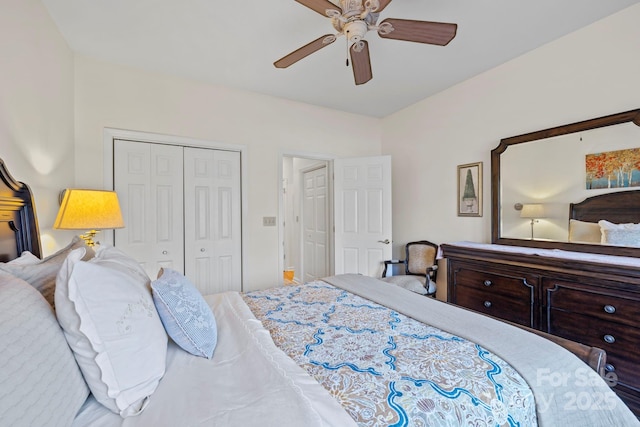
x=305, y=51
x=383, y=4
x=438, y=33
x=360, y=62
x=320, y=6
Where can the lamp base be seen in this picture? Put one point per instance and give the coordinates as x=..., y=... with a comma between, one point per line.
x=88, y=237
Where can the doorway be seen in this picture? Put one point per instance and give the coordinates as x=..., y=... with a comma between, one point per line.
x=354, y=205
x=306, y=205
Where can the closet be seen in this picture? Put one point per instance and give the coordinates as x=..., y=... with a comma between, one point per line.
x=181, y=207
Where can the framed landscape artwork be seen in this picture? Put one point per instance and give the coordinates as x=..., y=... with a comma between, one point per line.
x=613, y=169
x=470, y=189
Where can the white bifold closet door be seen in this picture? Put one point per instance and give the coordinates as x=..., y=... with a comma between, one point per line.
x=212, y=219
x=181, y=208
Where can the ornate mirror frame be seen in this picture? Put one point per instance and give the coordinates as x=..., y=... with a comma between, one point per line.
x=614, y=119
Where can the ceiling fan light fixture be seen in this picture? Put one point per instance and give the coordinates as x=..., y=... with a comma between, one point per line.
x=355, y=31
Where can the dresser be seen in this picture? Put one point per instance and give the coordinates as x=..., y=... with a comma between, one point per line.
x=592, y=299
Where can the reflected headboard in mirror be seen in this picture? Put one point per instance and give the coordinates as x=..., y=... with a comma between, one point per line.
x=18, y=222
x=523, y=170
x=620, y=208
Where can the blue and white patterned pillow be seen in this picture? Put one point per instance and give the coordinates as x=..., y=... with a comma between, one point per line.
x=186, y=316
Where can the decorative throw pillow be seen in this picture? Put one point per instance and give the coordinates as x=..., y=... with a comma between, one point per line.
x=106, y=311
x=42, y=274
x=620, y=234
x=584, y=232
x=185, y=315
x=40, y=382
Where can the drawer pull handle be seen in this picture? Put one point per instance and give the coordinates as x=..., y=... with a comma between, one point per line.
x=164, y=252
x=609, y=367
x=487, y=304
x=488, y=283
x=609, y=339
x=609, y=309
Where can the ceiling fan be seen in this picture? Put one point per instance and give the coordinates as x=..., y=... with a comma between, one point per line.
x=353, y=19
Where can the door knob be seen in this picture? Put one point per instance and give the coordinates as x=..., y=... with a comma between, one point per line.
x=385, y=241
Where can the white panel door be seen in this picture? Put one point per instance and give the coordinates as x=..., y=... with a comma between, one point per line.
x=362, y=198
x=315, y=210
x=148, y=180
x=213, y=242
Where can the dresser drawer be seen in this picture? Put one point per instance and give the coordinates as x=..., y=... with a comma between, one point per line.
x=621, y=342
x=508, y=284
x=574, y=298
x=496, y=305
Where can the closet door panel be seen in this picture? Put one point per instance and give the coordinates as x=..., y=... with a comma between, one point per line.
x=149, y=181
x=212, y=219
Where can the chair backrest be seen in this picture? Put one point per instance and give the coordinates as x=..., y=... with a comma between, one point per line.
x=419, y=256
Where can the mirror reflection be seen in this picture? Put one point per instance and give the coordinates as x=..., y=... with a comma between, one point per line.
x=553, y=188
x=539, y=179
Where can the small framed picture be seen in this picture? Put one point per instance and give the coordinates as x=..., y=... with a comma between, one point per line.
x=470, y=189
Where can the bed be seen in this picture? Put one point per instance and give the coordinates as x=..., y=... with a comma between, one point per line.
x=608, y=219
x=345, y=350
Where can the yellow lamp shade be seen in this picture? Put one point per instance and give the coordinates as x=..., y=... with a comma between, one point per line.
x=89, y=209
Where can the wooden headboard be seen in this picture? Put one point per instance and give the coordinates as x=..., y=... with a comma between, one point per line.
x=18, y=222
x=619, y=207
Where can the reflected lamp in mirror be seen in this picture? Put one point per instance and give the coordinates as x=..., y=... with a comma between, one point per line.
x=91, y=210
x=534, y=211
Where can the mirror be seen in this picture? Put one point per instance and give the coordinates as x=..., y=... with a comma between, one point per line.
x=536, y=176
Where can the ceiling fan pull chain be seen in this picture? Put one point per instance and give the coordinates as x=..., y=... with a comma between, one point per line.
x=347, y=49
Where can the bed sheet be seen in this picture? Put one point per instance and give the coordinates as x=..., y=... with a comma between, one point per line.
x=248, y=382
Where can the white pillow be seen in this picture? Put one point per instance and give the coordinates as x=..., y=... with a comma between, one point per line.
x=41, y=274
x=620, y=234
x=106, y=311
x=26, y=258
x=584, y=232
x=40, y=382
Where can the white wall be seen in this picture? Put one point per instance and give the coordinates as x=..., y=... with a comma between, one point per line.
x=51, y=112
x=114, y=96
x=590, y=73
x=36, y=109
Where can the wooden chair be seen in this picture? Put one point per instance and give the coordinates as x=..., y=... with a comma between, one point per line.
x=420, y=268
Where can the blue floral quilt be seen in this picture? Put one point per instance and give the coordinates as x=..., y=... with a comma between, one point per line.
x=387, y=369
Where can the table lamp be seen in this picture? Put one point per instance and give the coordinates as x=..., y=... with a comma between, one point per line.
x=534, y=211
x=90, y=210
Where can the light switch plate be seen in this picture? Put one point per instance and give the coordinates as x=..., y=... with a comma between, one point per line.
x=269, y=221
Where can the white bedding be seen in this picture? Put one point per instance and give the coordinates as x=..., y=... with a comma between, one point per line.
x=248, y=382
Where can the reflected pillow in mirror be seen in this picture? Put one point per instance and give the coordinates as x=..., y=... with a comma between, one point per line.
x=584, y=232
x=620, y=234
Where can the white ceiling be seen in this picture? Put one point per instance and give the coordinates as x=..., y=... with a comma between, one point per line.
x=234, y=43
